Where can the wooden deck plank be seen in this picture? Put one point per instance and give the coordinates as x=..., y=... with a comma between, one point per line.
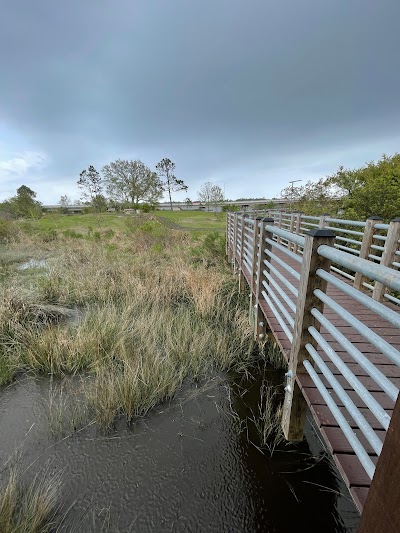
x=326, y=418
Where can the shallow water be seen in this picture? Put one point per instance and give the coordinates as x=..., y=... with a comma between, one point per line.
x=33, y=263
x=186, y=467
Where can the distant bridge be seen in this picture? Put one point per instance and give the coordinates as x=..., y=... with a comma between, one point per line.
x=244, y=205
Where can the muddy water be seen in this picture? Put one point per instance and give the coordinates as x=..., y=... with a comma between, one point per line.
x=190, y=466
x=33, y=263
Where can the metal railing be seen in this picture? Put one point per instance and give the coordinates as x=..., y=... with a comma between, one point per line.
x=291, y=273
x=370, y=239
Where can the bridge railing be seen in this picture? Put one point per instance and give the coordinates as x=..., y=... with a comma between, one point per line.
x=370, y=239
x=290, y=274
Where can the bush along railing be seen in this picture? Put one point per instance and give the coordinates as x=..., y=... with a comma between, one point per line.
x=311, y=309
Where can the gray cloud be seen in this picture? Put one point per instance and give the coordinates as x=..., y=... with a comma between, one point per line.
x=226, y=88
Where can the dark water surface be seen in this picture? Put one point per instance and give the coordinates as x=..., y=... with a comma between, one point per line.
x=190, y=466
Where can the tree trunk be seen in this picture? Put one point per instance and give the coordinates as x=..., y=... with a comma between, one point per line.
x=170, y=199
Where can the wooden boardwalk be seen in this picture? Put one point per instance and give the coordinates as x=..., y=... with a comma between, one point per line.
x=347, y=462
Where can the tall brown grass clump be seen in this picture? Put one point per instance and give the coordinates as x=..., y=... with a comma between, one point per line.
x=152, y=317
x=29, y=507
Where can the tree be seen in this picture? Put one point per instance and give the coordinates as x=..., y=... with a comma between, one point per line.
x=313, y=198
x=188, y=202
x=370, y=190
x=165, y=169
x=90, y=182
x=210, y=194
x=356, y=193
x=64, y=202
x=24, y=203
x=99, y=203
x=131, y=181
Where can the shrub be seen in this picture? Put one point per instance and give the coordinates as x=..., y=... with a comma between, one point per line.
x=8, y=231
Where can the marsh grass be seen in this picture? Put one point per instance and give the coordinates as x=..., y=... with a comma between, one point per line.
x=150, y=319
x=29, y=507
x=269, y=417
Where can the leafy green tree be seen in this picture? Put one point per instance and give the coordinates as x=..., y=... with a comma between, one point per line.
x=165, y=169
x=371, y=190
x=99, y=203
x=188, y=203
x=314, y=197
x=24, y=203
x=210, y=194
x=91, y=183
x=131, y=181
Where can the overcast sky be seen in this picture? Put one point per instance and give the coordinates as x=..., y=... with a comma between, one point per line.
x=248, y=94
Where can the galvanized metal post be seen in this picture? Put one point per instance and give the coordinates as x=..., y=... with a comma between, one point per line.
x=295, y=407
x=388, y=256
x=365, y=250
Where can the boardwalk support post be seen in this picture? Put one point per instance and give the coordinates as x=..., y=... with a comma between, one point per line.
x=253, y=307
x=389, y=255
x=322, y=220
x=228, y=236
x=365, y=250
x=242, y=280
x=260, y=326
x=234, y=251
x=382, y=508
x=295, y=407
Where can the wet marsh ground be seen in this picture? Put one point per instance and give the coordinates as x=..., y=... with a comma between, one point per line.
x=150, y=408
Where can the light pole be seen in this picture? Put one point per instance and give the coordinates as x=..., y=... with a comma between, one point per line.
x=291, y=193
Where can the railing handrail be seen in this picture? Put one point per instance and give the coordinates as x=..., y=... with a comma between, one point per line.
x=377, y=272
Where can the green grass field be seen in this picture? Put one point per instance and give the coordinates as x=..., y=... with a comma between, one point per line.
x=188, y=220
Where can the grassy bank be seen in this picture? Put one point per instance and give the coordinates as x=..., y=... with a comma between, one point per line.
x=156, y=308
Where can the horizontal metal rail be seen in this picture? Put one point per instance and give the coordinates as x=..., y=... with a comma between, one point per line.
x=293, y=237
x=281, y=322
x=346, y=249
x=382, y=226
x=309, y=217
x=387, y=349
x=279, y=290
x=348, y=403
x=385, y=384
x=357, y=223
x=392, y=298
x=286, y=251
x=341, y=230
x=289, y=269
x=378, y=308
x=373, y=405
x=279, y=304
x=342, y=273
x=385, y=275
x=281, y=278
x=362, y=455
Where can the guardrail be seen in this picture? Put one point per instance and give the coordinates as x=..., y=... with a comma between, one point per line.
x=370, y=239
x=292, y=260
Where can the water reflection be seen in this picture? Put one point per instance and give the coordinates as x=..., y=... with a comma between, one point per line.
x=184, y=468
